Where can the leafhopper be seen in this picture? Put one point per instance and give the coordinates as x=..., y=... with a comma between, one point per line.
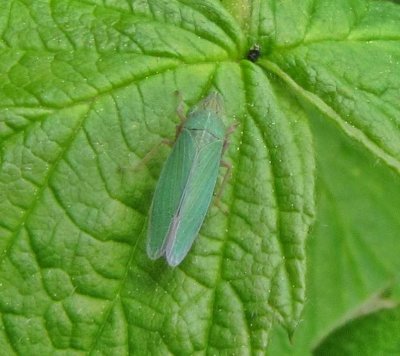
x=187, y=181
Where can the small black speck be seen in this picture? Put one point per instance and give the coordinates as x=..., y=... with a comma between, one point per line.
x=254, y=53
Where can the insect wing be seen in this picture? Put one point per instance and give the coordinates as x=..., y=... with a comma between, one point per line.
x=168, y=193
x=195, y=202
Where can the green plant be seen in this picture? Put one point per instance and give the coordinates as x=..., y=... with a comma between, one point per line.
x=87, y=90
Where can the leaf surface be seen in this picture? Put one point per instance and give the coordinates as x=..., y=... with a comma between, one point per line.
x=87, y=90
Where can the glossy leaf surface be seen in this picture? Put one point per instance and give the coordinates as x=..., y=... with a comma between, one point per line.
x=87, y=90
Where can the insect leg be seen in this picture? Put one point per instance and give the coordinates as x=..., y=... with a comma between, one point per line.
x=182, y=117
x=231, y=129
x=225, y=164
x=227, y=175
x=180, y=111
x=149, y=155
x=220, y=190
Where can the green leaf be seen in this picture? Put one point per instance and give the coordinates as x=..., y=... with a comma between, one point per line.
x=347, y=65
x=352, y=253
x=87, y=90
x=354, y=338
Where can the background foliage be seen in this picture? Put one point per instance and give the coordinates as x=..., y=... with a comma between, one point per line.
x=87, y=89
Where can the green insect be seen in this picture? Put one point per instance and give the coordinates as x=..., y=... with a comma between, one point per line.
x=185, y=188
